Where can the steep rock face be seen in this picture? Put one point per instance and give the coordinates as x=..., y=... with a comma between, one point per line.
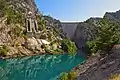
x=25, y=4
x=113, y=15
x=85, y=31
x=55, y=24
x=81, y=33
x=13, y=29
x=12, y=25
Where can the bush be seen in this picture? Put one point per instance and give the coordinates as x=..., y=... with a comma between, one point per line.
x=3, y=50
x=72, y=75
x=68, y=76
x=2, y=7
x=68, y=46
x=43, y=36
x=41, y=23
x=64, y=76
x=57, y=51
x=108, y=33
x=14, y=16
x=16, y=31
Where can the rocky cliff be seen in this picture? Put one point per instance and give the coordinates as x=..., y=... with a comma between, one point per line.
x=86, y=30
x=25, y=31
x=113, y=15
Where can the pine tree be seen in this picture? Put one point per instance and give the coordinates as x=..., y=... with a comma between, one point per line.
x=108, y=33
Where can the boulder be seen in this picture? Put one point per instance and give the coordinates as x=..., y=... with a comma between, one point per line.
x=31, y=43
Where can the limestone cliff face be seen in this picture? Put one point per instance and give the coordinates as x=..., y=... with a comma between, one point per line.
x=113, y=15
x=29, y=5
x=82, y=33
x=85, y=31
x=14, y=38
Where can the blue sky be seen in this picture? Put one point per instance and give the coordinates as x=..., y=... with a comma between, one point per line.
x=77, y=10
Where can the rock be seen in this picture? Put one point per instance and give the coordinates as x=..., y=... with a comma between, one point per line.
x=54, y=46
x=102, y=69
x=24, y=51
x=113, y=15
x=31, y=43
x=13, y=51
x=83, y=33
x=44, y=41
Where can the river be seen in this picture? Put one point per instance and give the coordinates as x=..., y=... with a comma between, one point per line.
x=43, y=67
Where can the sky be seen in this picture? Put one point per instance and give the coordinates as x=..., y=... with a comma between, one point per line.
x=77, y=10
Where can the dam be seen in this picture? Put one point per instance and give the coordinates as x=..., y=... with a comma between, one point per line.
x=75, y=33
x=69, y=28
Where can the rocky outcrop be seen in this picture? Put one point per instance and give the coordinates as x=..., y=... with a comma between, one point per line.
x=55, y=25
x=113, y=15
x=27, y=5
x=100, y=69
x=82, y=33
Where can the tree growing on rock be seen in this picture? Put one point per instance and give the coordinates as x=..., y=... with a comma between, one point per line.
x=68, y=46
x=108, y=34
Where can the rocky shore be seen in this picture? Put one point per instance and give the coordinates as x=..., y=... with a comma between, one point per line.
x=100, y=69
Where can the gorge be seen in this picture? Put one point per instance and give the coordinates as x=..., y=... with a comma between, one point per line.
x=44, y=47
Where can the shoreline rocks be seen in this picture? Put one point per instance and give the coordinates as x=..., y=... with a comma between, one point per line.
x=94, y=69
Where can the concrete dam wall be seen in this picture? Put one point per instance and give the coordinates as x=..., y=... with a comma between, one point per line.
x=76, y=32
x=69, y=28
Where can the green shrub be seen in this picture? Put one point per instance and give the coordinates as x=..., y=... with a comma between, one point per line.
x=72, y=75
x=64, y=76
x=3, y=5
x=57, y=51
x=68, y=46
x=68, y=76
x=16, y=31
x=43, y=36
x=3, y=50
x=14, y=16
x=41, y=23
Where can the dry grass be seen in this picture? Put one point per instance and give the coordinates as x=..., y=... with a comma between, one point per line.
x=115, y=77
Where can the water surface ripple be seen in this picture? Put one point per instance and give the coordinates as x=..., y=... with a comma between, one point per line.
x=43, y=67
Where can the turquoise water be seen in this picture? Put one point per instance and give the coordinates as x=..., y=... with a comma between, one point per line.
x=43, y=67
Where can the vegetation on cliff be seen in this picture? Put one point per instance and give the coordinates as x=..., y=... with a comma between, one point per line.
x=3, y=50
x=105, y=41
x=14, y=14
x=69, y=46
x=107, y=36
